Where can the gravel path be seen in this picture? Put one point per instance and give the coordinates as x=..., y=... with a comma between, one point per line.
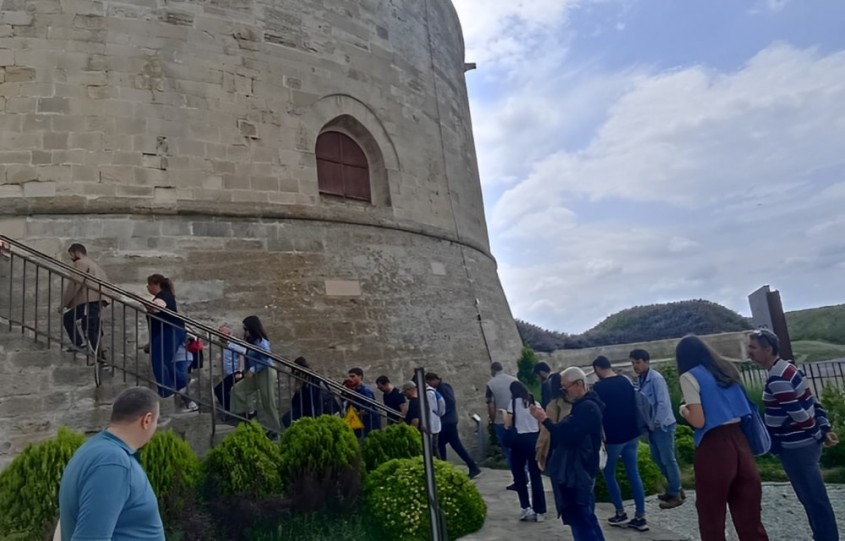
x=783, y=515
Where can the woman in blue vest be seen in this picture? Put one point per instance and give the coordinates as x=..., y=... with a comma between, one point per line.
x=725, y=471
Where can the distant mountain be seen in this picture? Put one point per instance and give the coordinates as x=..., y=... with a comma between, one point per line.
x=826, y=324
x=641, y=324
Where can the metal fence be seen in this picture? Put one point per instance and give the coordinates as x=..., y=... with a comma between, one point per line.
x=819, y=375
x=32, y=285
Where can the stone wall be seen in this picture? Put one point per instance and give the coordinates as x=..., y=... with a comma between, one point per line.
x=178, y=137
x=730, y=345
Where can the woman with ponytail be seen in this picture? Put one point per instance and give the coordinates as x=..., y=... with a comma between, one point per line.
x=167, y=338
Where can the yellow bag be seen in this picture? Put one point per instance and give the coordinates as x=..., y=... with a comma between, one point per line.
x=352, y=419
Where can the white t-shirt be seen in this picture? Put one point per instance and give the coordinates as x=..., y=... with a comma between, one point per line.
x=522, y=419
x=434, y=419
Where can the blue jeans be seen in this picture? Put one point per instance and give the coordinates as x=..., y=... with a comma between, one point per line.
x=577, y=511
x=628, y=452
x=802, y=468
x=500, y=434
x=662, y=444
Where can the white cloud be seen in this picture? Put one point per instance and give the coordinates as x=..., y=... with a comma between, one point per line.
x=709, y=185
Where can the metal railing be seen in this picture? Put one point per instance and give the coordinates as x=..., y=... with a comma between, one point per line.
x=818, y=374
x=32, y=285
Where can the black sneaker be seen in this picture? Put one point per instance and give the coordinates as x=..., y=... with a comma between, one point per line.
x=663, y=497
x=511, y=486
x=620, y=520
x=474, y=473
x=638, y=523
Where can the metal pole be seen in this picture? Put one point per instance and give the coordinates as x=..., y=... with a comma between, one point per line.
x=438, y=526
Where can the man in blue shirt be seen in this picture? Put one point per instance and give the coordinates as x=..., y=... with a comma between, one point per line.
x=369, y=416
x=661, y=440
x=105, y=494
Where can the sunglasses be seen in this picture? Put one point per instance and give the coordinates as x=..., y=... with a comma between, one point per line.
x=766, y=335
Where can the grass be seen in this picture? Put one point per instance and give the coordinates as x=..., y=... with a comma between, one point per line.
x=825, y=324
x=816, y=350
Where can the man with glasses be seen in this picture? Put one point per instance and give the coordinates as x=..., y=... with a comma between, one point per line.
x=799, y=428
x=574, y=458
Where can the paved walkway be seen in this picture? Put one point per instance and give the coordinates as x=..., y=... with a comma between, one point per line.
x=503, y=513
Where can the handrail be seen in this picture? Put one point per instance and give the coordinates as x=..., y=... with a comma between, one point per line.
x=278, y=360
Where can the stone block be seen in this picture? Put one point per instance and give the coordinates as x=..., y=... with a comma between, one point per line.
x=55, y=141
x=211, y=229
x=151, y=177
x=56, y=173
x=86, y=141
x=54, y=105
x=18, y=174
x=13, y=227
x=117, y=174
x=264, y=184
x=20, y=105
x=248, y=129
x=67, y=123
x=20, y=405
x=90, y=22
x=39, y=189
x=17, y=74
x=343, y=288
x=99, y=92
x=17, y=156
x=7, y=57
x=85, y=173
x=10, y=190
x=41, y=157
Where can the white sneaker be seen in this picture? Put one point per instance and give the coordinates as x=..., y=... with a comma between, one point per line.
x=190, y=406
x=527, y=515
x=541, y=517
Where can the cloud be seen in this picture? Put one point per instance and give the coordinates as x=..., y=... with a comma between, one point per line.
x=688, y=183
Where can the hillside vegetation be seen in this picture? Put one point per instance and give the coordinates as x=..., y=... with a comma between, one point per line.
x=825, y=324
x=641, y=324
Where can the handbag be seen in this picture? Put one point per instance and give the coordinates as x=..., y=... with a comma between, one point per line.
x=755, y=430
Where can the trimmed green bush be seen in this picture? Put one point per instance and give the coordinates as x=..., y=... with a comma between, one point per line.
x=29, y=486
x=321, y=464
x=833, y=400
x=649, y=473
x=246, y=463
x=684, y=445
x=398, y=440
x=173, y=470
x=396, y=502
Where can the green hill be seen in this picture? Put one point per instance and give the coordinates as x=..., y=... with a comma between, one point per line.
x=825, y=324
x=641, y=324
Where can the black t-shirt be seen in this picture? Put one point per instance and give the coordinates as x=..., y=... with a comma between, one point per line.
x=413, y=410
x=394, y=400
x=620, y=409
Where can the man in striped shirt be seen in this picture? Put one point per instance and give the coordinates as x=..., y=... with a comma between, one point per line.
x=799, y=429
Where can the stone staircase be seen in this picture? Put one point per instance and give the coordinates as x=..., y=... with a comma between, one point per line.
x=43, y=388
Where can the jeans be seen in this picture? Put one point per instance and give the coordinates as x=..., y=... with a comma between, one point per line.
x=89, y=314
x=449, y=434
x=169, y=360
x=578, y=512
x=802, y=468
x=628, y=452
x=522, y=454
x=500, y=434
x=662, y=444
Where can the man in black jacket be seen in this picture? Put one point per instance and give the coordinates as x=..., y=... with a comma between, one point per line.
x=449, y=421
x=574, y=457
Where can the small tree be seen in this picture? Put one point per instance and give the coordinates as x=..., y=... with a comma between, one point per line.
x=525, y=370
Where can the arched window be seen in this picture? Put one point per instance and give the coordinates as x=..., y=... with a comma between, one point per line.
x=342, y=167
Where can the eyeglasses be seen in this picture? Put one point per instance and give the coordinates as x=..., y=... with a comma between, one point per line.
x=765, y=334
x=566, y=387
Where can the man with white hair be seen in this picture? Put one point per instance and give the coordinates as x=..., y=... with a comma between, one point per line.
x=574, y=457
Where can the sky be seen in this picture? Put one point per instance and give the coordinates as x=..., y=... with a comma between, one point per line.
x=642, y=151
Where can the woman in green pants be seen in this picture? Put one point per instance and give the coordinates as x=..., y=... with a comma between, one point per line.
x=258, y=387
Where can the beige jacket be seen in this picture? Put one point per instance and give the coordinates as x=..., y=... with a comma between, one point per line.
x=555, y=411
x=83, y=291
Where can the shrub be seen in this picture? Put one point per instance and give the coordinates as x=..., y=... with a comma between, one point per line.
x=833, y=400
x=173, y=470
x=246, y=463
x=684, y=445
x=397, y=503
x=396, y=441
x=321, y=463
x=649, y=473
x=29, y=486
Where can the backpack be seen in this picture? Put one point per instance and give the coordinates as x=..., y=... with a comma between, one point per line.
x=440, y=409
x=645, y=414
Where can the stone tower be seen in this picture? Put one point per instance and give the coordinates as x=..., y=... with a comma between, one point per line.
x=310, y=161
